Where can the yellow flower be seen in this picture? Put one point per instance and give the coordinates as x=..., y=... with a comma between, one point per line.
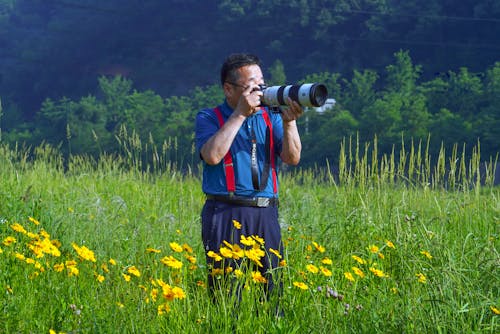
x=495, y=310
x=358, y=259
x=358, y=272
x=238, y=273
x=100, y=278
x=1, y=250
x=282, y=263
x=120, y=305
x=84, y=253
x=9, y=241
x=163, y=308
x=247, y=241
x=187, y=248
x=126, y=277
x=214, y=256
x=254, y=255
x=258, y=239
x=312, y=268
x=258, y=278
x=378, y=272
x=318, y=247
x=152, y=250
x=381, y=256
x=373, y=249
x=19, y=256
x=390, y=244
x=426, y=254
x=178, y=293
x=226, y=252
x=327, y=261
x=394, y=290
x=301, y=285
x=275, y=252
x=176, y=247
x=112, y=262
x=191, y=259
x=134, y=271
x=236, y=224
x=421, y=278
x=325, y=271
x=171, y=262
x=349, y=276
x=18, y=228
x=33, y=220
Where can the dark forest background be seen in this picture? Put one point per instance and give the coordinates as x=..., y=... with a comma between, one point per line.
x=83, y=74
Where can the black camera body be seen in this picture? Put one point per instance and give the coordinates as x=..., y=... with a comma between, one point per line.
x=307, y=95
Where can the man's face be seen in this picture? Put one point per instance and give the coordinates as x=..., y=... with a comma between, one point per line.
x=250, y=75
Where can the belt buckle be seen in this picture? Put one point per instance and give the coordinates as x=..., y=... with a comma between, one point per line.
x=262, y=202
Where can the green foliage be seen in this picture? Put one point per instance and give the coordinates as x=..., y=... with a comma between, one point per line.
x=368, y=254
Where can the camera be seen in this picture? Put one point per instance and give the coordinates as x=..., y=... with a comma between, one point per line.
x=307, y=95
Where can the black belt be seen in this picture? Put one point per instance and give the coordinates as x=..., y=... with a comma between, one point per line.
x=260, y=202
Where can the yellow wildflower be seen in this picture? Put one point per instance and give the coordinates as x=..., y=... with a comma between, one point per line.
x=33, y=220
x=381, y=256
x=191, y=259
x=312, y=268
x=19, y=256
x=134, y=271
x=390, y=244
x=358, y=259
x=247, y=241
x=176, y=247
x=373, y=249
x=318, y=247
x=301, y=285
x=421, y=278
x=426, y=254
x=84, y=253
x=226, y=252
x=378, y=272
x=214, y=256
x=254, y=255
x=100, y=278
x=112, y=262
x=325, y=271
x=171, y=262
x=349, y=276
x=238, y=273
x=18, y=228
x=9, y=241
x=258, y=278
x=275, y=252
x=236, y=224
x=163, y=308
x=495, y=310
x=258, y=239
x=358, y=272
x=152, y=250
x=126, y=277
x=282, y=263
x=327, y=261
x=187, y=248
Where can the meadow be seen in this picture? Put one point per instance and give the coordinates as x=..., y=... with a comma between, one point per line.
x=383, y=245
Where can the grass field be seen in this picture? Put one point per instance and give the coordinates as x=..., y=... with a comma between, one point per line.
x=383, y=246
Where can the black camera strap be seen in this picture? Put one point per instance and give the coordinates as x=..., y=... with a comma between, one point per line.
x=255, y=165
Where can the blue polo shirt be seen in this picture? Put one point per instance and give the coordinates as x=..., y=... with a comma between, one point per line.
x=214, y=179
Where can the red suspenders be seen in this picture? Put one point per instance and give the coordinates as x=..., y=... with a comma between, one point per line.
x=228, y=159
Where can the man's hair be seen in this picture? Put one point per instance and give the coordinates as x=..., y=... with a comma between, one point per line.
x=234, y=62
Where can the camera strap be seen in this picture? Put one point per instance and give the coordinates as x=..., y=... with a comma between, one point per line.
x=255, y=165
x=270, y=163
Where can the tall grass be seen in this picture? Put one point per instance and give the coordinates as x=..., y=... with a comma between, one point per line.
x=394, y=243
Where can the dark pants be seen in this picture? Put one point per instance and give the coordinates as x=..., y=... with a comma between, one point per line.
x=217, y=227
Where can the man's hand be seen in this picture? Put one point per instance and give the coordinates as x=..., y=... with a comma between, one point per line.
x=249, y=102
x=293, y=112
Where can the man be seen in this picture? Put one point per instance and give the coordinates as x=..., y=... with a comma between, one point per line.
x=239, y=142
